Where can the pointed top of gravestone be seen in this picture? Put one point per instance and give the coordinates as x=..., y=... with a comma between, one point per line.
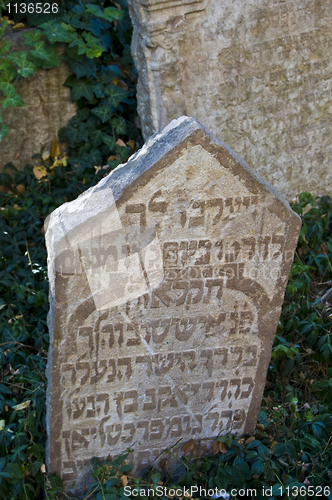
x=163, y=142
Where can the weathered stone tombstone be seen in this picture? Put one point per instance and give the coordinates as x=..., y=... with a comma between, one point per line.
x=255, y=73
x=166, y=283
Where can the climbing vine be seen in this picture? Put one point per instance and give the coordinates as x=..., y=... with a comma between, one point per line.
x=97, y=49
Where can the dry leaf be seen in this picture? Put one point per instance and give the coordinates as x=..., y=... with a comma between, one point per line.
x=20, y=189
x=39, y=172
x=97, y=169
x=55, y=150
x=222, y=448
x=252, y=438
x=124, y=480
x=17, y=207
x=6, y=408
x=215, y=447
x=22, y=406
x=18, y=26
x=43, y=469
x=188, y=447
x=120, y=142
x=330, y=317
x=218, y=447
x=115, y=81
x=160, y=482
x=111, y=158
x=131, y=144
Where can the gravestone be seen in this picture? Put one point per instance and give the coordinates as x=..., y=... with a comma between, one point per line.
x=166, y=283
x=255, y=73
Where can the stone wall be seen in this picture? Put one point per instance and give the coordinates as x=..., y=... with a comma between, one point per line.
x=47, y=109
x=257, y=73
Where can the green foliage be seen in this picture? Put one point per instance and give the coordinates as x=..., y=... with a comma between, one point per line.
x=302, y=351
x=15, y=65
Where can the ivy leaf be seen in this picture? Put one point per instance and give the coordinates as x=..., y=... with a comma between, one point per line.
x=77, y=23
x=52, y=59
x=5, y=46
x=40, y=51
x=7, y=72
x=14, y=469
x=31, y=37
x=81, y=47
x=106, y=40
x=56, y=33
x=96, y=137
x=12, y=97
x=92, y=158
x=95, y=51
x=110, y=72
x=109, y=14
x=109, y=141
x=257, y=467
x=71, y=53
x=119, y=125
x=122, y=151
x=112, y=13
x=76, y=135
x=85, y=68
x=98, y=90
x=81, y=88
x=103, y=112
x=95, y=26
x=116, y=94
x=25, y=67
x=78, y=8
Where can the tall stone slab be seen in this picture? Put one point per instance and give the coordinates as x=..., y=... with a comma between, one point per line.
x=256, y=73
x=166, y=283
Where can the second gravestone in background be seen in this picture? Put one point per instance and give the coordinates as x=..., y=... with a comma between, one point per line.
x=166, y=283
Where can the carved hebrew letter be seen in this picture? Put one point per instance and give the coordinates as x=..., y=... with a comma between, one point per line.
x=140, y=208
x=211, y=283
x=145, y=359
x=194, y=285
x=188, y=328
x=163, y=363
x=157, y=428
x=150, y=405
x=83, y=365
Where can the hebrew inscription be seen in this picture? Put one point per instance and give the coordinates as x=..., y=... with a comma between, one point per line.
x=165, y=299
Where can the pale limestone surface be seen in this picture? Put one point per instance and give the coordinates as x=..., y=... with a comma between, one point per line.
x=166, y=283
x=47, y=109
x=257, y=73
